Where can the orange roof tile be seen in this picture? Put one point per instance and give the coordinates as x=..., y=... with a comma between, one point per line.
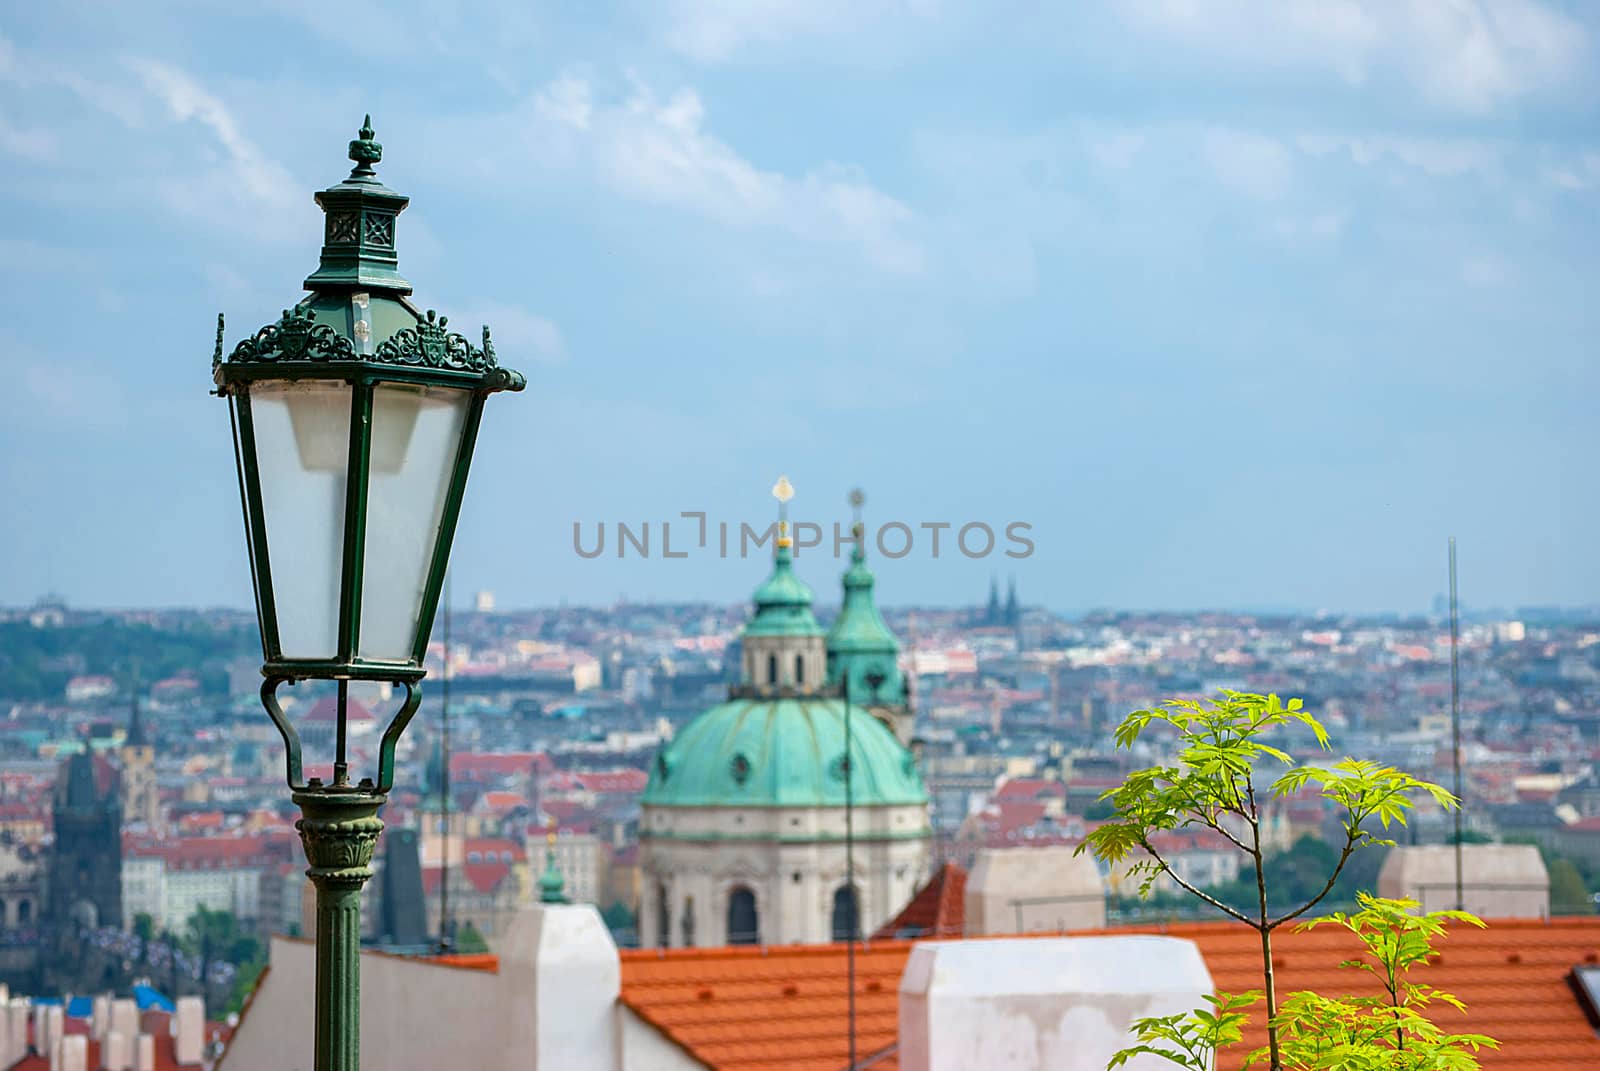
x=776, y=1009
x=785, y=1007
x=1512, y=977
x=939, y=908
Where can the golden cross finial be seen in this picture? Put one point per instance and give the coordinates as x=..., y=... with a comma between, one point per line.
x=783, y=491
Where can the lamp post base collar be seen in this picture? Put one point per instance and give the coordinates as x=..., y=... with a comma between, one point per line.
x=339, y=830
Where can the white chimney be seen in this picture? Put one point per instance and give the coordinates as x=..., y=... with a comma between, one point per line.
x=114, y=1052
x=125, y=1017
x=100, y=1016
x=1043, y=1003
x=145, y=1053
x=54, y=1027
x=190, y=1032
x=18, y=1015
x=75, y=1053
x=36, y=1028
x=7, y=1055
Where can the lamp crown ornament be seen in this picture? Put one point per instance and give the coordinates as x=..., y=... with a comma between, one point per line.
x=364, y=151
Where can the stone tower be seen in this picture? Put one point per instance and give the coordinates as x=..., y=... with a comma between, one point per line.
x=86, y=858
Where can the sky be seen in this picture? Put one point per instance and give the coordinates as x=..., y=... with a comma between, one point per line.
x=1231, y=304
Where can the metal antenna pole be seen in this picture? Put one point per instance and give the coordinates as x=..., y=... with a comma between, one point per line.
x=850, y=872
x=1455, y=715
x=446, y=937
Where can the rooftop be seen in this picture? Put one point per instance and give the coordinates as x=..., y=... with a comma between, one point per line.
x=786, y=1008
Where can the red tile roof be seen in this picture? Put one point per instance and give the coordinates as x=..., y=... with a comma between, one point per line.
x=213, y=852
x=772, y=1009
x=1030, y=788
x=785, y=1007
x=480, y=766
x=939, y=908
x=484, y=877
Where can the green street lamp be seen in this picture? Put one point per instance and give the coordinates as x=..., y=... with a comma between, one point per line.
x=354, y=417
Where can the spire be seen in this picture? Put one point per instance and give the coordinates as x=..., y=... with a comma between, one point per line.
x=1013, y=612
x=135, y=735
x=861, y=649
x=993, y=616
x=358, y=250
x=551, y=884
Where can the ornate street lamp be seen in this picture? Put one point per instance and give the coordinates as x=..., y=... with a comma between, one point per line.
x=354, y=417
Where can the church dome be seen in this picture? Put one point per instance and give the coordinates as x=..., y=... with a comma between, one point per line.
x=779, y=740
x=786, y=752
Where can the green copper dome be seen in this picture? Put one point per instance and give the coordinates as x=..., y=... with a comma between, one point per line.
x=861, y=649
x=783, y=602
x=551, y=885
x=782, y=753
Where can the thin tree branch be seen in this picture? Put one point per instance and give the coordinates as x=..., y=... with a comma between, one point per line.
x=1344, y=857
x=1211, y=824
x=1166, y=868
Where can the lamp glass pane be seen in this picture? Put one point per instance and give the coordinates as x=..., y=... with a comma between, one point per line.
x=416, y=434
x=302, y=436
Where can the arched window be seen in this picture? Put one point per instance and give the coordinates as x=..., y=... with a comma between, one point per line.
x=772, y=669
x=688, y=922
x=800, y=669
x=663, y=917
x=24, y=912
x=846, y=926
x=743, y=927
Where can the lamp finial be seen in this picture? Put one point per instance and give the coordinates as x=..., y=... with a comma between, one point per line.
x=364, y=150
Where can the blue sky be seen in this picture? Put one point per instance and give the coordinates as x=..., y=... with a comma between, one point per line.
x=1236, y=304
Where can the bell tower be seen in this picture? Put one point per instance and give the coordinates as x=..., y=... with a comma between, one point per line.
x=141, y=800
x=785, y=653
x=863, y=655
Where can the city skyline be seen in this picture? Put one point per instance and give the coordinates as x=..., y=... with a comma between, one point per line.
x=1235, y=311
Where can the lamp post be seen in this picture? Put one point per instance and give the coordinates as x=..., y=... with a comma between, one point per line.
x=354, y=417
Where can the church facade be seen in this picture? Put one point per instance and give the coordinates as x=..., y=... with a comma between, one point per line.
x=760, y=809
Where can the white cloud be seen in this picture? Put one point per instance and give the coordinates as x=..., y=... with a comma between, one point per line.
x=262, y=178
x=1251, y=163
x=1440, y=157
x=715, y=31
x=31, y=72
x=658, y=150
x=1466, y=55
x=1580, y=174
x=567, y=100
